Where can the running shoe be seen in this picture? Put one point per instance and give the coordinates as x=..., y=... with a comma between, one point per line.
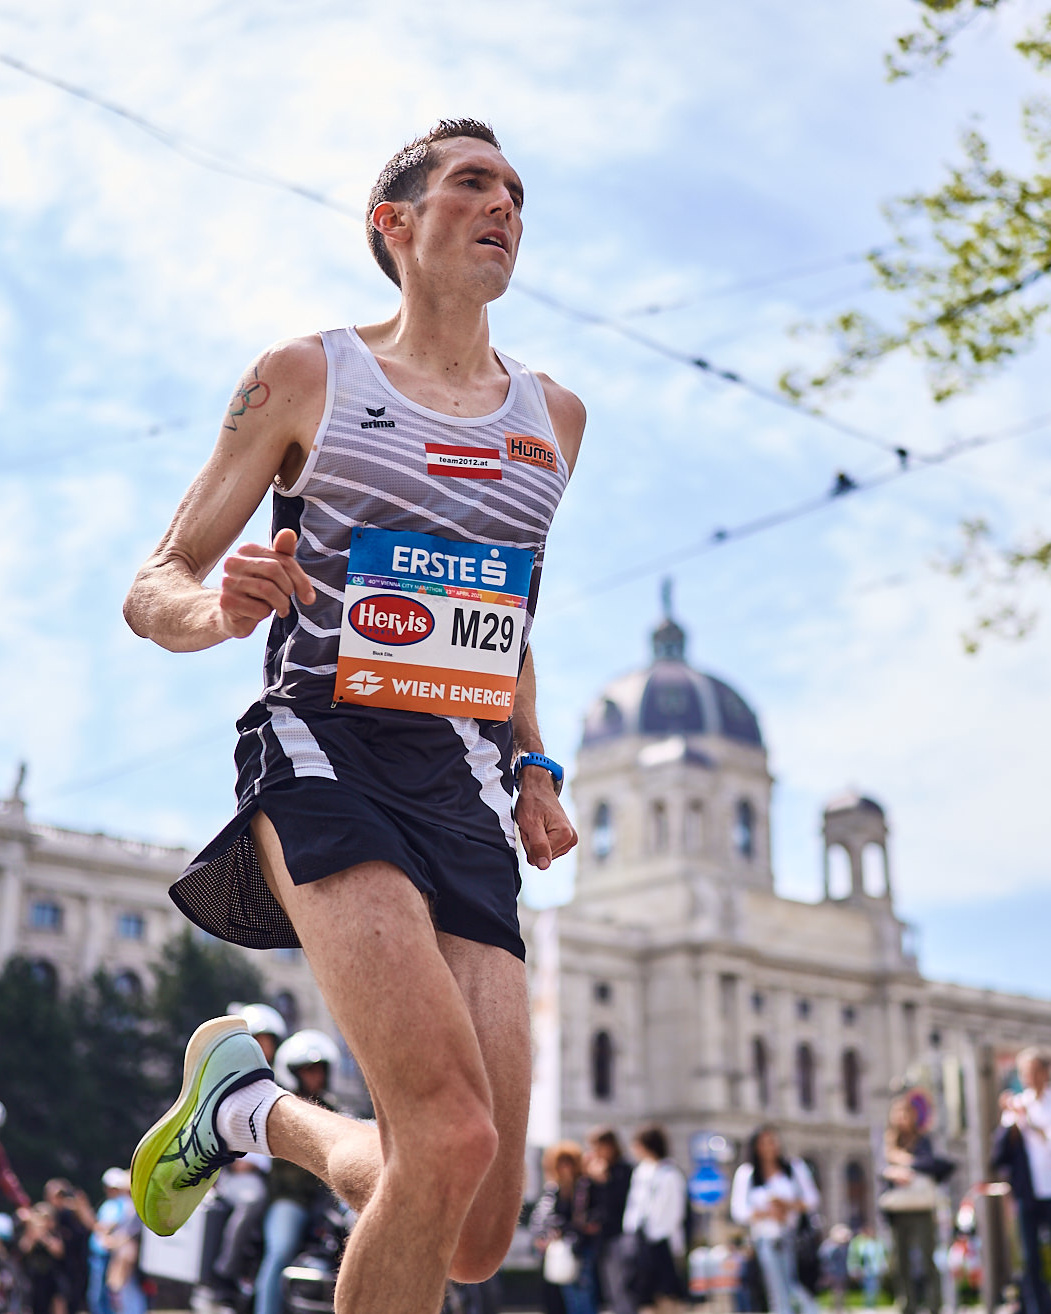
x=175, y=1162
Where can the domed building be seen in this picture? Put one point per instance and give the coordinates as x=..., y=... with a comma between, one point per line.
x=678, y=985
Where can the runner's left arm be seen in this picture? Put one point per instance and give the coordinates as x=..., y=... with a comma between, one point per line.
x=545, y=829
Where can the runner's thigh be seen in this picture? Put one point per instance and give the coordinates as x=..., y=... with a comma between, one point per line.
x=368, y=936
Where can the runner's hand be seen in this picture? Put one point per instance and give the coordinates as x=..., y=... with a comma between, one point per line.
x=260, y=580
x=545, y=829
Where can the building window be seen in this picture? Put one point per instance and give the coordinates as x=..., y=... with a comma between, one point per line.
x=744, y=829
x=851, y=1081
x=45, y=915
x=658, y=827
x=602, y=832
x=850, y=1015
x=761, y=1072
x=840, y=877
x=602, y=1066
x=805, y=1076
x=758, y=1001
x=603, y=992
x=802, y=1009
x=131, y=926
x=128, y=985
x=693, y=826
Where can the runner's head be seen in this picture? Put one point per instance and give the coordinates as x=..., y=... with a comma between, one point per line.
x=457, y=165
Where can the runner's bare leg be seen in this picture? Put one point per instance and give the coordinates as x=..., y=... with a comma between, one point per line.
x=402, y=1010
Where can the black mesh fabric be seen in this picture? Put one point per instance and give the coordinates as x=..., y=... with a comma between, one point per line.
x=224, y=892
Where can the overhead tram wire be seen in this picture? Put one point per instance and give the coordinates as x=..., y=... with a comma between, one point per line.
x=209, y=158
x=706, y=366
x=752, y=284
x=843, y=485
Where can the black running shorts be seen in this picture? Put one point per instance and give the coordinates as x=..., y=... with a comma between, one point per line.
x=326, y=826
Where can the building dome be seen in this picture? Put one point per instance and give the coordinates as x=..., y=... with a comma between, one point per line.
x=852, y=801
x=670, y=697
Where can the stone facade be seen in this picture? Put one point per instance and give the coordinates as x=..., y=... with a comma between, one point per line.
x=678, y=985
x=72, y=902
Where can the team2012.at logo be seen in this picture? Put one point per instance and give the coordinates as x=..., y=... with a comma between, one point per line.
x=382, y=618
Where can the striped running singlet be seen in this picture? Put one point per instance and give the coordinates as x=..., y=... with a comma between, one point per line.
x=377, y=461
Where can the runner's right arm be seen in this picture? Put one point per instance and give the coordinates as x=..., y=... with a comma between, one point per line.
x=268, y=430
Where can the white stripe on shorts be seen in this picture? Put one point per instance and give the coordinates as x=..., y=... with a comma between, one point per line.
x=300, y=746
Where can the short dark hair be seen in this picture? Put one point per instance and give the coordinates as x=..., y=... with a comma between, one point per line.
x=653, y=1138
x=404, y=178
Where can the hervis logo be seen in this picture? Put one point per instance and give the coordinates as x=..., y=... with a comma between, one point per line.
x=532, y=451
x=382, y=618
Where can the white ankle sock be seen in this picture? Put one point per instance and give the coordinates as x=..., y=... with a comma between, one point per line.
x=241, y=1118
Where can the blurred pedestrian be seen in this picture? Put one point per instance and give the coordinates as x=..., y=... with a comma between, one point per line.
x=75, y=1220
x=834, y=1268
x=113, y=1251
x=1022, y=1146
x=564, y=1217
x=10, y=1186
x=41, y=1250
x=770, y=1194
x=909, y=1205
x=610, y=1175
x=867, y=1263
x=655, y=1216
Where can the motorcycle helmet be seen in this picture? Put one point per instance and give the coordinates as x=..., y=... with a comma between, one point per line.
x=3, y=1114
x=261, y=1019
x=300, y=1049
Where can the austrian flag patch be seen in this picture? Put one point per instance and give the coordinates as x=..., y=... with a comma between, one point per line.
x=463, y=462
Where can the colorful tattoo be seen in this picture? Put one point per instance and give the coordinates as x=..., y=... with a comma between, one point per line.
x=251, y=393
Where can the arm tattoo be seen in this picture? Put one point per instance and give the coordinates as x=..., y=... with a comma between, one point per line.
x=250, y=394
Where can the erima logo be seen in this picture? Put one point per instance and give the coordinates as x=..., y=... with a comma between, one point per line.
x=365, y=683
x=376, y=422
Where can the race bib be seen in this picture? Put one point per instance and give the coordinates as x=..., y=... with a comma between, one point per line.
x=432, y=624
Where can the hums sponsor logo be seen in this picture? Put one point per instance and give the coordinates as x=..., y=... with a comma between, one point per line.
x=377, y=421
x=382, y=618
x=531, y=451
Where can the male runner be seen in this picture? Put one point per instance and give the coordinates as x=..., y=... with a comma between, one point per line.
x=374, y=820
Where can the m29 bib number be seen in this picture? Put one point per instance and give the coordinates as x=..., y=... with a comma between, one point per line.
x=432, y=624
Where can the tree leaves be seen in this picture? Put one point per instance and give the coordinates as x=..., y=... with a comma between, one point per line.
x=85, y=1072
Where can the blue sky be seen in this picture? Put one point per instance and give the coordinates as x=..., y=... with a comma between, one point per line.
x=670, y=151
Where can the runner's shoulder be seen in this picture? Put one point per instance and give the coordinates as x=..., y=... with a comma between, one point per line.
x=568, y=416
x=296, y=364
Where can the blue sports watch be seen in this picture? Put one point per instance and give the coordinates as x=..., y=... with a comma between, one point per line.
x=538, y=759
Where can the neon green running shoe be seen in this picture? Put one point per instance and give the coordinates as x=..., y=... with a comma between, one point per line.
x=175, y=1162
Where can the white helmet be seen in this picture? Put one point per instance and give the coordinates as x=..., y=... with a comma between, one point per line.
x=3, y=1114
x=261, y=1019
x=300, y=1049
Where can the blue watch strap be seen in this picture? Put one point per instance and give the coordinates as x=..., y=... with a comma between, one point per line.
x=538, y=759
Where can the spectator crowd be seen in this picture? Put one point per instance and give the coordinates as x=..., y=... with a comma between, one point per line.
x=611, y=1229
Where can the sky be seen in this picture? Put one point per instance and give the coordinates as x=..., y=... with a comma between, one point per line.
x=729, y=162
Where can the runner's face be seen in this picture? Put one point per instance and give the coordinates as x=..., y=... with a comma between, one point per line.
x=469, y=223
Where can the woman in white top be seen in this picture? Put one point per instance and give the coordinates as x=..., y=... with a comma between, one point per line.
x=655, y=1223
x=769, y=1195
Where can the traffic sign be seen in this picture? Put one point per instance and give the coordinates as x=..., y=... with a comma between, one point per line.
x=707, y=1186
